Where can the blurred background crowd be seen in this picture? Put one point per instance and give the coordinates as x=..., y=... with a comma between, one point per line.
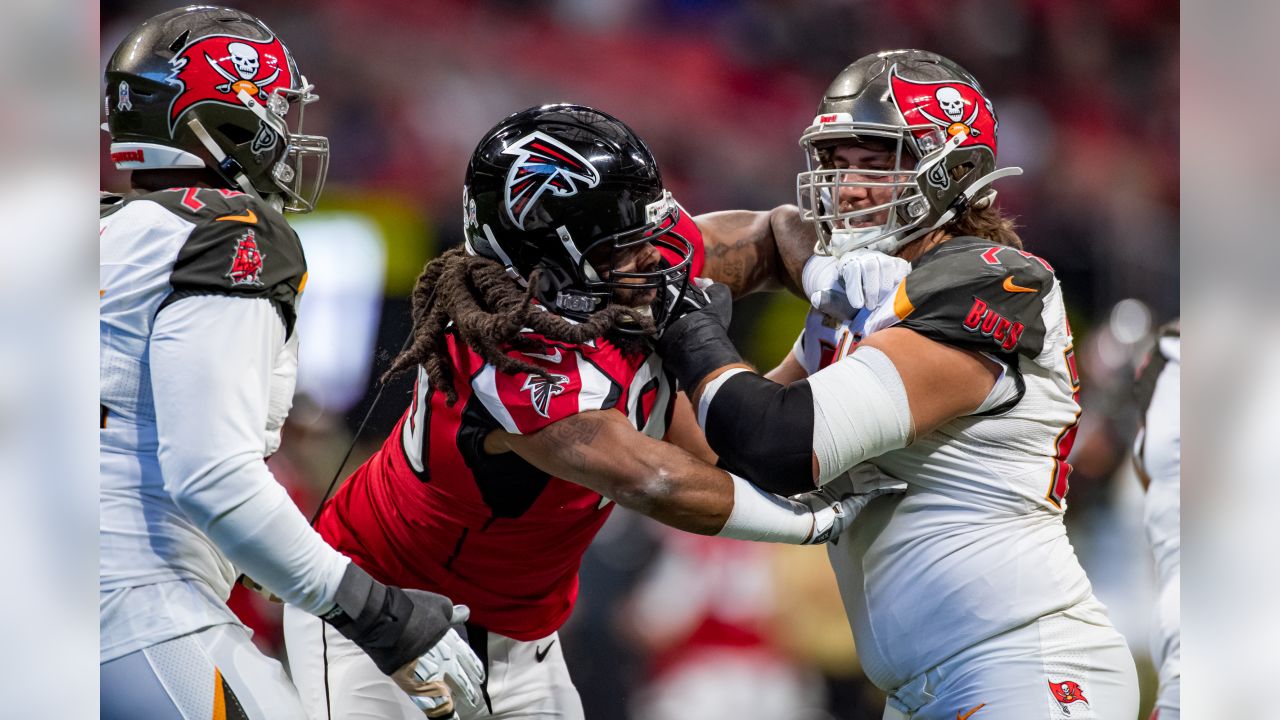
x=670, y=625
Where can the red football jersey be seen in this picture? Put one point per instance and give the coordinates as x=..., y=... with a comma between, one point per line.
x=431, y=510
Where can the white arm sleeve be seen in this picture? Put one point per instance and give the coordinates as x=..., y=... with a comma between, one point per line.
x=765, y=517
x=212, y=362
x=860, y=411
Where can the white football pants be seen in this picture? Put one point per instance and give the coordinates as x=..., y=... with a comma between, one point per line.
x=337, y=681
x=214, y=673
x=1071, y=665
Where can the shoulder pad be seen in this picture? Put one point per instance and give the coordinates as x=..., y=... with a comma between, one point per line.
x=238, y=246
x=979, y=296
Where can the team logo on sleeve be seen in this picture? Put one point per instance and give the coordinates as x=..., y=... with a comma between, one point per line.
x=950, y=105
x=218, y=67
x=246, y=262
x=1066, y=693
x=541, y=390
x=543, y=164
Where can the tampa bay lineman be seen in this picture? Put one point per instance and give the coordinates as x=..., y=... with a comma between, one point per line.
x=1158, y=455
x=965, y=596
x=200, y=278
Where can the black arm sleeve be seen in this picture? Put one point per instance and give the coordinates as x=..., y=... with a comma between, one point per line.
x=763, y=432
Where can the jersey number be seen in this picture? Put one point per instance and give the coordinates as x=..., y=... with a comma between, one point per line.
x=1067, y=438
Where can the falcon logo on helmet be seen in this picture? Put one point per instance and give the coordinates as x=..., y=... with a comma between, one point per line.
x=951, y=105
x=217, y=67
x=543, y=163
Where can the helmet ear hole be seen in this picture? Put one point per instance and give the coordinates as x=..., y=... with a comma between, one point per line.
x=179, y=42
x=235, y=133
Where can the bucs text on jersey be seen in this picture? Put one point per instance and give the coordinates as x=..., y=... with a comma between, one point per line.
x=157, y=248
x=977, y=545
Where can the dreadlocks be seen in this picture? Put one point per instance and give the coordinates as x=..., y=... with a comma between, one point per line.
x=488, y=310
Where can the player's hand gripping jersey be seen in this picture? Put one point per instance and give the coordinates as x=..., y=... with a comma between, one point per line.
x=176, y=266
x=977, y=545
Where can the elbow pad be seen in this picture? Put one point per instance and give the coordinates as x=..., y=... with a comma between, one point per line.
x=761, y=430
x=860, y=411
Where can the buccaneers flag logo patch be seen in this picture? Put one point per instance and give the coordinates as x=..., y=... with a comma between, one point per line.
x=1067, y=692
x=543, y=163
x=950, y=105
x=216, y=68
x=246, y=261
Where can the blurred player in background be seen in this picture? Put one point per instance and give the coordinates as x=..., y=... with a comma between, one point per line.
x=1158, y=452
x=538, y=404
x=200, y=279
x=965, y=595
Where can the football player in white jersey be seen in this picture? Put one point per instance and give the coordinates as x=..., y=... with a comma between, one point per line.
x=965, y=596
x=200, y=277
x=1158, y=453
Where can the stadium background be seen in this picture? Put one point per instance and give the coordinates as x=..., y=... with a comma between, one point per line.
x=671, y=625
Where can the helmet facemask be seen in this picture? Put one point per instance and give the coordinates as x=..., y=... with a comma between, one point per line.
x=818, y=189
x=294, y=180
x=596, y=284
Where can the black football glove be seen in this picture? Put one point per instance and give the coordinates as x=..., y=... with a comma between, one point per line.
x=696, y=343
x=394, y=626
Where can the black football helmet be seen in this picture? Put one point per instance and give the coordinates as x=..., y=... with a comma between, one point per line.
x=562, y=189
x=943, y=127
x=213, y=87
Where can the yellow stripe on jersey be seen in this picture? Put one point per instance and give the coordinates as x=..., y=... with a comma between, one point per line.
x=902, y=306
x=219, y=702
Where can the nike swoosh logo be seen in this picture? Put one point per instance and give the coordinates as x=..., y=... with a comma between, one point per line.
x=249, y=217
x=966, y=715
x=554, y=357
x=1011, y=287
x=540, y=654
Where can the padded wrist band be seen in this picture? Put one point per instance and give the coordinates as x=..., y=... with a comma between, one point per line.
x=763, y=517
x=393, y=626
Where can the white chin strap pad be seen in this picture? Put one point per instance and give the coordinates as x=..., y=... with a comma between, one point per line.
x=860, y=411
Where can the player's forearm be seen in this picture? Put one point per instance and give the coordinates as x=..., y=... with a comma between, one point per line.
x=793, y=241
x=677, y=490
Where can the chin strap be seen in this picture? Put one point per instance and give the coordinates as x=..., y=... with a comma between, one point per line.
x=221, y=157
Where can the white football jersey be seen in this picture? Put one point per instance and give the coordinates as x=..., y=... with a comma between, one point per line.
x=157, y=248
x=977, y=545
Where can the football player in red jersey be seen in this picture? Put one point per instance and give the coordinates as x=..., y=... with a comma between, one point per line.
x=200, y=277
x=538, y=405
x=964, y=594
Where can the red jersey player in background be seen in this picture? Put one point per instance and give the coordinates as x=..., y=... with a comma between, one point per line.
x=538, y=404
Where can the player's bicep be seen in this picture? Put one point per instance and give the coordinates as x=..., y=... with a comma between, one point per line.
x=942, y=382
x=684, y=432
x=740, y=251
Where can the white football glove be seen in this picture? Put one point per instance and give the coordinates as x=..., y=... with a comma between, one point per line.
x=836, y=504
x=449, y=671
x=840, y=287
